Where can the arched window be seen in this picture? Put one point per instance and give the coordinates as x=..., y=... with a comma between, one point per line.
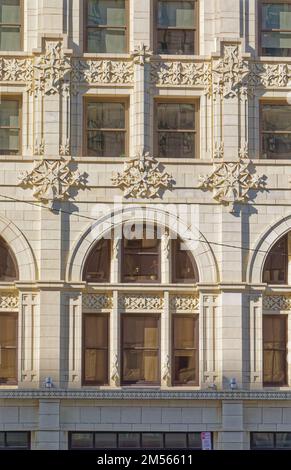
x=184, y=268
x=141, y=256
x=8, y=266
x=97, y=266
x=276, y=265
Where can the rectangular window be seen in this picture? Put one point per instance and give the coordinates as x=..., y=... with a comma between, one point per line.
x=140, y=349
x=276, y=28
x=276, y=130
x=95, y=349
x=270, y=440
x=10, y=127
x=11, y=18
x=275, y=350
x=106, y=128
x=8, y=348
x=14, y=440
x=176, y=130
x=106, y=26
x=185, y=350
x=134, y=440
x=177, y=31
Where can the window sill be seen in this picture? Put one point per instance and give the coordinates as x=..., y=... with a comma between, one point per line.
x=106, y=55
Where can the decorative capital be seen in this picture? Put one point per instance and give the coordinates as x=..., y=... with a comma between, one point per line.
x=51, y=180
x=143, y=177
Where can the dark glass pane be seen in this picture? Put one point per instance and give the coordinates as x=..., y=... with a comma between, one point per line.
x=129, y=440
x=141, y=332
x=275, y=269
x=176, y=145
x=106, y=41
x=185, y=269
x=175, y=116
x=175, y=441
x=96, y=366
x=263, y=440
x=184, y=332
x=10, y=38
x=81, y=440
x=2, y=440
x=277, y=146
x=276, y=118
x=97, y=267
x=194, y=440
x=140, y=366
x=96, y=331
x=283, y=440
x=9, y=142
x=276, y=44
x=275, y=354
x=10, y=11
x=8, y=348
x=17, y=440
x=176, y=41
x=105, y=440
x=185, y=367
x=276, y=16
x=152, y=440
x=106, y=12
x=176, y=14
x=106, y=144
x=106, y=116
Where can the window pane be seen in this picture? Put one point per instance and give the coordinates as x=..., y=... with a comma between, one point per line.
x=129, y=441
x=276, y=44
x=82, y=440
x=106, y=12
x=263, y=440
x=17, y=440
x=175, y=441
x=8, y=270
x=141, y=268
x=184, y=332
x=8, y=330
x=185, y=269
x=276, y=118
x=140, y=366
x=277, y=146
x=2, y=439
x=106, y=116
x=173, y=116
x=10, y=38
x=9, y=141
x=275, y=343
x=96, y=366
x=9, y=113
x=194, y=440
x=176, y=145
x=97, y=267
x=96, y=331
x=152, y=440
x=276, y=16
x=10, y=11
x=275, y=269
x=141, y=332
x=106, y=41
x=105, y=440
x=283, y=440
x=185, y=367
x=175, y=41
x=176, y=14
x=106, y=144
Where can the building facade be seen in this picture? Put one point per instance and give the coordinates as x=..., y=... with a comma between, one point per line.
x=118, y=115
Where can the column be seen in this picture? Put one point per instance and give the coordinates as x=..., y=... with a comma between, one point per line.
x=74, y=311
x=209, y=328
x=115, y=354
x=48, y=435
x=233, y=436
x=166, y=342
x=29, y=351
x=256, y=341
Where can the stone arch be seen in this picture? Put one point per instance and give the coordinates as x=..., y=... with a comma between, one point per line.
x=198, y=245
x=20, y=248
x=263, y=246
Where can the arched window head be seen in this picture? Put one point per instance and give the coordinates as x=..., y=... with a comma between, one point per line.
x=97, y=266
x=276, y=265
x=8, y=265
x=141, y=255
x=184, y=268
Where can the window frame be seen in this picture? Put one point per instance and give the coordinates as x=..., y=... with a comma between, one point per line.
x=270, y=253
x=282, y=317
x=18, y=98
x=195, y=29
x=15, y=315
x=95, y=99
x=8, y=448
x=126, y=29
x=274, y=433
x=125, y=315
x=86, y=383
x=196, y=131
x=195, y=317
x=88, y=259
x=274, y=102
x=21, y=27
x=261, y=30
x=174, y=264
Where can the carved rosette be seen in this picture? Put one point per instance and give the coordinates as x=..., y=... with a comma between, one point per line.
x=143, y=177
x=51, y=180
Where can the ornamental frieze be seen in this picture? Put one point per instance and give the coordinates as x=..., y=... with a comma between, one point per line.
x=136, y=302
x=97, y=301
x=184, y=303
x=277, y=302
x=9, y=301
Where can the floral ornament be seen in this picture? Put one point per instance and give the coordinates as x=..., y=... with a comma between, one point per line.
x=231, y=182
x=141, y=54
x=51, y=180
x=115, y=377
x=142, y=177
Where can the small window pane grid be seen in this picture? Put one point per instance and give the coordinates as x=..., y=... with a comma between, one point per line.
x=11, y=25
x=106, y=129
x=276, y=131
x=176, y=130
x=106, y=26
x=10, y=126
x=14, y=440
x=271, y=441
x=134, y=440
x=95, y=349
x=275, y=350
x=177, y=27
x=8, y=348
x=276, y=28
